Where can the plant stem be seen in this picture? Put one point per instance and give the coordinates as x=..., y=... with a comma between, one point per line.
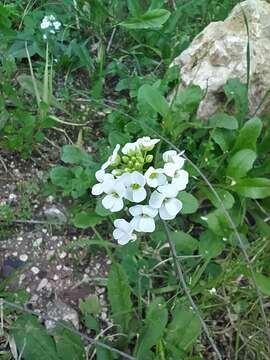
x=185, y=288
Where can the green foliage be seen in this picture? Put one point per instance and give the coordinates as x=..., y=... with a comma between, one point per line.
x=120, y=297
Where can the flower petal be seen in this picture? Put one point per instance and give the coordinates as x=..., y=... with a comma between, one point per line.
x=97, y=189
x=173, y=206
x=117, y=205
x=117, y=233
x=136, y=210
x=122, y=224
x=170, y=169
x=108, y=201
x=139, y=195
x=150, y=211
x=156, y=199
x=163, y=213
x=147, y=224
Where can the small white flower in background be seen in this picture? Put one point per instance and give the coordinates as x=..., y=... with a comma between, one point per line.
x=155, y=177
x=115, y=190
x=50, y=23
x=164, y=199
x=173, y=162
x=213, y=291
x=134, y=183
x=143, y=220
x=123, y=231
x=132, y=178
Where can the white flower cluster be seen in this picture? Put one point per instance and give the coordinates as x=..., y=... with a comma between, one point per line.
x=133, y=179
x=50, y=24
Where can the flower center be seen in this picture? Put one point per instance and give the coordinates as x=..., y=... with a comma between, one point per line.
x=153, y=176
x=114, y=194
x=135, y=186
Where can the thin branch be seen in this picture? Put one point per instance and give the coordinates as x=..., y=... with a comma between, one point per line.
x=185, y=288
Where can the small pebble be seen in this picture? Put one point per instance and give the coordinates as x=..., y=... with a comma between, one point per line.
x=62, y=255
x=37, y=242
x=35, y=270
x=42, y=284
x=23, y=257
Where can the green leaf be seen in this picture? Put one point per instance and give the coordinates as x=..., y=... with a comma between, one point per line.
x=154, y=98
x=86, y=219
x=188, y=99
x=217, y=222
x=119, y=294
x=253, y=188
x=72, y=154
x=224, y=138
x=240, y=163
x=90, y=305
x=69, y=346
x=184, y=328
x=210, y=245
x=32, y=339
x=190, y=203
x=237, y=92
x=248, y=135
x=223, y=120
x=263, y=283
x=184, y=243
x=116, y=137
x=153, y=328
x=225, y=196
x=151, y=19
x=61, y=176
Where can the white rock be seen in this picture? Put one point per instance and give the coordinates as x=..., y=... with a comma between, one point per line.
x=219, y=53
x=44, y=283
x=35, y=270
x=58, y=310
x=23, y=257
x=37, y=242
x=62, y=255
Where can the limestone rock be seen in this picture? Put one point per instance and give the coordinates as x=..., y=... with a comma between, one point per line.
x=58, y=310
x=219, y=53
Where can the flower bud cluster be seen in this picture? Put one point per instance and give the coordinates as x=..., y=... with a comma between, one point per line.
x=133, y=179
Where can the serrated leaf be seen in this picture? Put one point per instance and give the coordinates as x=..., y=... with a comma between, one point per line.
x=184, y=328
x=119, y=294
x=154, y=98
x=240, y=163
x=253, y=188
x=32, y=339
x=153, y=328
x=72, y=154
x=151, y=19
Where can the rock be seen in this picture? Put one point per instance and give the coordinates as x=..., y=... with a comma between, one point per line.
x=58, y=310
x=55, y=215
x=43, y=284
x=219, y=53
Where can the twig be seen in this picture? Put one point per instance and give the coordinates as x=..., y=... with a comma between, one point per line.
x=87, y=338
x=3, y=163
x=76, y=14
x=111, y=40
x=185, y=288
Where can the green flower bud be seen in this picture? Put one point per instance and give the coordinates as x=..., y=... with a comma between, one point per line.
x=138, y=165
x=149, y=158
x=125, y=159
x=133, y=158
x=130, y=163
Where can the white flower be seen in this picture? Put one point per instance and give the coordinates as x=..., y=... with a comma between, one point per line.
x=52, y=31
x=155, y=177
x=180, y=179
x=173, y=162
x=112, y=158
x=102, y=178
x=57, y=25
x=130, y=147
x=134, y=183
x=115, y=191
x=45, y=23
x=143, y=220
x=146, y=143
x=165, y=201
x=51, y=18
x=123, y=232
x=213, y=291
